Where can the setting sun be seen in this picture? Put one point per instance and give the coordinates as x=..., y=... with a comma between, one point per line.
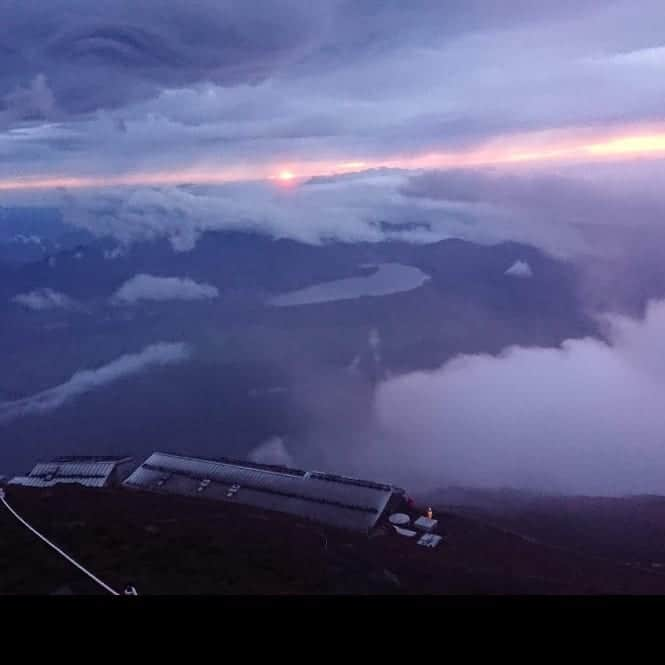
x=285, y=176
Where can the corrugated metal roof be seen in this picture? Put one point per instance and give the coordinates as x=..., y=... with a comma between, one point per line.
x=91, y=472
x=335, y=500
x=32, y=481
x=80, y=469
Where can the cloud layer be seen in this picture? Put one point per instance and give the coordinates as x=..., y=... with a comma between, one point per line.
x=585, y=418
x=611, y=212
x=44, y=299
x=149, y=287
x=272, y=451
x=84, y=381
x=56, y=55
x=519, y=269
x=223, y=84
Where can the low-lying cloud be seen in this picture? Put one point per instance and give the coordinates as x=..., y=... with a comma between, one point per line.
x=365, y=207
x=84, y=381
x=44, y=299
x=588, y=417
x=519, y=269
x=605, y=213
x=149, y=287
x=272, y=451
x=347, y=210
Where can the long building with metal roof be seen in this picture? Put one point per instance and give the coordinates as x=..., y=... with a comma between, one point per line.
x=326, y=498
x=100, y=471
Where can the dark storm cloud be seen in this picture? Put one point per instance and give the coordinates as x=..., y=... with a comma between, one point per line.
x=75, y=56
x=34, y=102
x=94, y=55
x=104, y=55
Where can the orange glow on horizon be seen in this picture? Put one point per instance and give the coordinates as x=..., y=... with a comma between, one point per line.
x=544, y=147
x=630, y=144
x=352, y=166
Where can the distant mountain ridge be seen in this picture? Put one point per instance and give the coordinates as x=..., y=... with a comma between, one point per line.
x=327, y=357
x=29, y=234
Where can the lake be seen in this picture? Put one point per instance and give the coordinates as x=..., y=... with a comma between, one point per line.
x=388, y=278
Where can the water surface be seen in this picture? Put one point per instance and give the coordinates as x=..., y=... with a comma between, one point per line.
x=388, y=278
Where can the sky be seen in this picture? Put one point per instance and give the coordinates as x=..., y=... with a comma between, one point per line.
x=489, y=120
x=149, y=118
x=166, y=92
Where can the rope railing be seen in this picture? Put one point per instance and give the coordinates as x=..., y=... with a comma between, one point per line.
x=95, y=579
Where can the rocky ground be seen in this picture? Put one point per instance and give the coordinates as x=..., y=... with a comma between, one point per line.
x=174, y=545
